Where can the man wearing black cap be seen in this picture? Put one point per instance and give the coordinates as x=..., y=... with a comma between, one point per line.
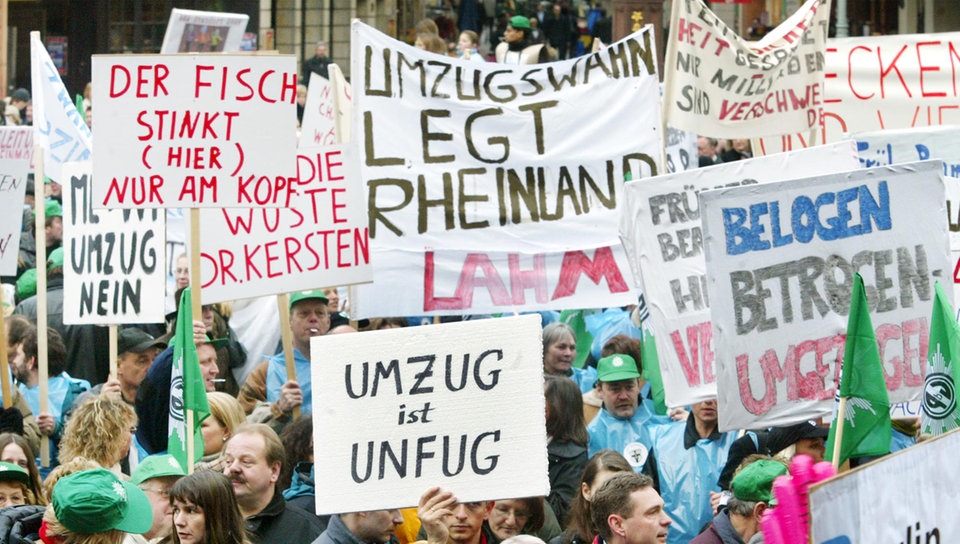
x=309, y=317
x=518, y=47
x=136, y=352
x=806, y=438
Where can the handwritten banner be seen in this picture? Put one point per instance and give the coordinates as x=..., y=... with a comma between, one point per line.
x=481, y=282
x=113, y=269
x=718, y=84
x=662, y=236
x=195, y=131
x=326, y=99
x=190, y=31
x=456, y=405
x=464, y=155
x=58, y=127
x=883, y=82
x=782, y=258
x=681, y=149
x=16, y=146
x=902, y=498
x=321, y=240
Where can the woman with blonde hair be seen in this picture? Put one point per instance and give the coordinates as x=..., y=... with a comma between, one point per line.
x=101, y=429
x=226, y=415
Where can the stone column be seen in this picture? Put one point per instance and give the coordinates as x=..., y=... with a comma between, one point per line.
x=628, y=14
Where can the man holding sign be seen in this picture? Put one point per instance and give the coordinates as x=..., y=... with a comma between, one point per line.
x=448, y=521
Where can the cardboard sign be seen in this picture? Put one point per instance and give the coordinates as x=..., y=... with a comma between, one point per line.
x=883, y=82
x=782, y=258
x=487, y=282
x=58, y=127
x=190, y=31
x=325, y=101
x=717, y=83
x=465, y=155
x=401, y=410
x=195, y=131
x=321, y=240
x=661, y=233
x=16, y=147
x=681, y=150
x=113, y=260
x=905, y=498
x=884, y=147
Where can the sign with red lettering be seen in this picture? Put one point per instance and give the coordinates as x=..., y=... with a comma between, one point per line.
x=883, y=82
x=458, y=405
x=16, y=148
x=195, y=131
x=113, y=269
x=319, y=241
x=719, y=84
x=782, y=257
x=661, y=233
x=326, y=100
x=480, y=282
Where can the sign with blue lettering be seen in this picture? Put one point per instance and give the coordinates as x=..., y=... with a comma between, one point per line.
x=782, y=257
x=906, y=498
x=458, y=405
x=660, y=229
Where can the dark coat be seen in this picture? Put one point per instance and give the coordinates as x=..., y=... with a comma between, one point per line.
x=566, y=463
x=281, y=523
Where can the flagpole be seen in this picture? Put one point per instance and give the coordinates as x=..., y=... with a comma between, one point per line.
x=40, y=238
x=196, y=315
x=838, y=434
x=4, y=365
x=286, y=339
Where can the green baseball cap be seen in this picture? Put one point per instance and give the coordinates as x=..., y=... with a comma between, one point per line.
x=52, y=208
x=94, y=501
x=519, y=21
x=27, y=284
x=55, y=258
x=754, y=482
x=156, y=466
x=12, y=472
x=616, y=367
x=304, y=295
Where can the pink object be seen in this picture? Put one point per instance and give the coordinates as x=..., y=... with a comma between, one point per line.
x=788, y=521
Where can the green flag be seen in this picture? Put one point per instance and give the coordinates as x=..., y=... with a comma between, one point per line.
x=940, y=411
x=186, y=388
x=577, y=321
x=866, y=423
x=79, y=105
x=650, y=362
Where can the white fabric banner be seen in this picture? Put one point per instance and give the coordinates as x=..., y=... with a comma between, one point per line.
x=113, y=266
x=328, y=102
x=58, y=127
x=190, y=31
x=909, y=498
x=195, y=131
x=720, y=85
x=484, y=282
x=883, y=82
x=782, y=257
x=885, y=147
x=319, y=241
x=681, y=148
x=660, y=228
x=458, y=405
x=463, y=155
x=16, y=149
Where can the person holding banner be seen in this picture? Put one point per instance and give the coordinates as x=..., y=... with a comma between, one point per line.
x=448, y=521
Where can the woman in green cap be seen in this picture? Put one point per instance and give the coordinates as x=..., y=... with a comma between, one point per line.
x=14, y=486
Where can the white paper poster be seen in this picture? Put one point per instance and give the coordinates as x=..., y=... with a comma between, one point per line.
x=458, y=405
x=190, y=31
x=16, y=148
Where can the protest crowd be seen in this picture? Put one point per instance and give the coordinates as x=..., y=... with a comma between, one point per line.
x=101, y=451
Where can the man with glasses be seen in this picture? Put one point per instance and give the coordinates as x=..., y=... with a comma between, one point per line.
x=155, y=475
x=620, y=425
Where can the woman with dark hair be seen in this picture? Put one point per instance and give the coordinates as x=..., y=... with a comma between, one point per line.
x=15, y=449
x=205, y=510
x=566, y=442
x=599, y=469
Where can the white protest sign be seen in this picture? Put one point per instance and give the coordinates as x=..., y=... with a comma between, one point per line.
x=326, y=99
x=195, y=131
x=681, y=148
x=660, y=228
x=465, y=155
x=908, y=497
x=883, y=82
x=113, y=260
x=717, y=83
x=16, y=147
x=190, y=31
x=483, y=282
x=782, y=257
x=321, y=240
x=884, y=147
x=58, y=127
x=458, y=405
